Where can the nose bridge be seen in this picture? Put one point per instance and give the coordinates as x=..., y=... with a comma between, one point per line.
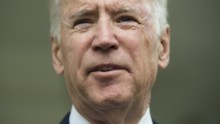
x=104, y=28
x=104, y=34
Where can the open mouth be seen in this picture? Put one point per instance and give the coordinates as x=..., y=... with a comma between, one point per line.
x=106, y=68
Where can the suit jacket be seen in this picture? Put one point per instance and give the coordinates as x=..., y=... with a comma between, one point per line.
x=66, y=119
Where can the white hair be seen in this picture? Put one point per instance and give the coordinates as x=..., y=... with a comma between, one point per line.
x=55, y=23
x=159, y=8
x=160, y=14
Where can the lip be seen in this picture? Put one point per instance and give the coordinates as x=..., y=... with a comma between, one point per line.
x=113, y=67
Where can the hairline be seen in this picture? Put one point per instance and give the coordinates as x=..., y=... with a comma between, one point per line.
x=159, y=10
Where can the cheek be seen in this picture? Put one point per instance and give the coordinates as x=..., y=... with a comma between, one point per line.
x=75, y=46
x=73, y=51
x=134, y=42
x=141, y=47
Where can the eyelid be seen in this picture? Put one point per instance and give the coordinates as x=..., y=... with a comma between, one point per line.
x=82, y=20
x=129, y=16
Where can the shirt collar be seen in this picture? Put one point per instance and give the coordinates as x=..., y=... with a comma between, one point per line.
x=76, y=118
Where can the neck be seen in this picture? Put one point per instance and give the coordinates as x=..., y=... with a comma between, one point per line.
x=127, y=114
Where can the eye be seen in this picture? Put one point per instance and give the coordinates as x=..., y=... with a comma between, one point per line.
x=84, y=21
x=122, y=19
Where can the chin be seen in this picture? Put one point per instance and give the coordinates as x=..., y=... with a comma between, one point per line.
x=111, y=104
x=117, y=92
x=111, y=100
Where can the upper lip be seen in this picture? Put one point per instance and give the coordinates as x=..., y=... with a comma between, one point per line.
x=106, y=67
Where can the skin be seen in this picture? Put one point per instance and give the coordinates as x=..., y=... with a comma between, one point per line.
x=120, y=35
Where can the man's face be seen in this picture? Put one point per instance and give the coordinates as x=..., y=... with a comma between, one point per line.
x=109, y=51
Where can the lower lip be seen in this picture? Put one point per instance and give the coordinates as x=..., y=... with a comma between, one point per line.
x=108, y=73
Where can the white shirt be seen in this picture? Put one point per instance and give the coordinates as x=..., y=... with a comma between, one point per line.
x=76, y=118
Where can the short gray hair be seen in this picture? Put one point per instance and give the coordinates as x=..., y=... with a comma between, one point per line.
x=160, y=14
x=159, y=8
x=55, y=18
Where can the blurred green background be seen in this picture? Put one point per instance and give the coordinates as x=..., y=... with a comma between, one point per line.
x=187, y=92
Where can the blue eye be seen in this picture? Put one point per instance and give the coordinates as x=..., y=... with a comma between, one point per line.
x=126, y=19
x=83, y=21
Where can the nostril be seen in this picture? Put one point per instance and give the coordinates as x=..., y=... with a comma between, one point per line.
x=105, y=42
x=114, y=47
x=96, y=48
x=105, y=47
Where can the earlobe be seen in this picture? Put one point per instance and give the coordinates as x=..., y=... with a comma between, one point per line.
x=57, y=56
x=164, y=49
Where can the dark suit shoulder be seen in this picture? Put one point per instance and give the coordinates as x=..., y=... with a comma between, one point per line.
x=154, y=122
x=65, y=119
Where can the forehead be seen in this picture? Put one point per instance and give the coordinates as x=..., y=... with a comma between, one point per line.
x=73, y=5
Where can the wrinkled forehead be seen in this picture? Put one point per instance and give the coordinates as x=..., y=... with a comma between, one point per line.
x=104, y=1
x=71, y=6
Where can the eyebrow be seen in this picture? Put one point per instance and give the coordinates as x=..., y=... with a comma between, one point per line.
x=89, y=12
x=82, y=13
x=125, y=10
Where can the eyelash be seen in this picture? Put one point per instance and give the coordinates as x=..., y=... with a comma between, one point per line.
x=120, y=19
x=126, y=18
x=82, y=21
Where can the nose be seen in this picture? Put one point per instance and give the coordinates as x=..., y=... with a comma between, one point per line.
x=105, y=39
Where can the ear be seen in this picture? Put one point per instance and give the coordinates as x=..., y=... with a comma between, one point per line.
x=164, y=48
x=57, y=56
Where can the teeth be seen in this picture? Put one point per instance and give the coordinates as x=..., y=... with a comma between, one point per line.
x=105, y=68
